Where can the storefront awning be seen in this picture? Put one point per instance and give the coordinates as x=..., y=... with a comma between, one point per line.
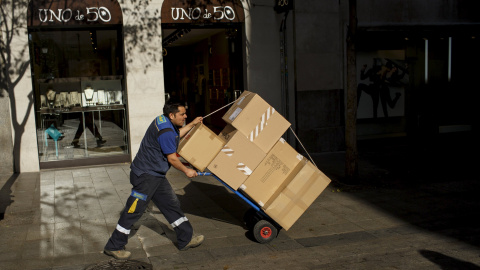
x=74, y=12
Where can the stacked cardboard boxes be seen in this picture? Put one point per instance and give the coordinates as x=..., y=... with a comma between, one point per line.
x=253, y=127
x=250, y=155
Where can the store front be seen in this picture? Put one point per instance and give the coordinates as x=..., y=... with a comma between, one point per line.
x=79, y=83
x=412, y=81
x=203, y=55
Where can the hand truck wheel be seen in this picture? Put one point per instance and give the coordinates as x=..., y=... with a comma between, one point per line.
x=264, y=231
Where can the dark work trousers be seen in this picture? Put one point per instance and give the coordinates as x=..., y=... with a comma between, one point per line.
x=145, y=188
x=89, y=123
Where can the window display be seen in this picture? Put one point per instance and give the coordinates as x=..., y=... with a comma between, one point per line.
x=79, y=86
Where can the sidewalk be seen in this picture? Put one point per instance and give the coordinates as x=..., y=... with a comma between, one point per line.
x=401, y=217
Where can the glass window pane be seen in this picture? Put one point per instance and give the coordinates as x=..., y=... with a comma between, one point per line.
x=78, y=80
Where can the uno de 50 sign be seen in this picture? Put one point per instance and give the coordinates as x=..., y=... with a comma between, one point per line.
x=92, y=14
x=68, y=12
x=202, y=11
x=218, y=13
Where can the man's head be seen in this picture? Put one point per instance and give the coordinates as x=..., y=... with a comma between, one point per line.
x=176, y=112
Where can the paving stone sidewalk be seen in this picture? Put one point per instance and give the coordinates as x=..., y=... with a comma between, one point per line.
x=61, y=219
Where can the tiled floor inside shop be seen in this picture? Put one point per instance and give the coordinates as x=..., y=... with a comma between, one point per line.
x=113, y=134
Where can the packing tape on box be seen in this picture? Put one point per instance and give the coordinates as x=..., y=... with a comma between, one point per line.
x=263, y=123
x=295, y=198
x=227, y=151
x=244, y=168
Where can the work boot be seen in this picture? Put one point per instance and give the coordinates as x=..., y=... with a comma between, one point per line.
x=118, y=254
x=196, y=241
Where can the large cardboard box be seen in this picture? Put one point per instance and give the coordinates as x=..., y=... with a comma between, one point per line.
x=238, y=158
x=200, y=146
x=276, y=170
x=255, y=118
x=297, y=196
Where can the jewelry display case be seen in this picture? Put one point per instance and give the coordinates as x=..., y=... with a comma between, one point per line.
x=71, y=106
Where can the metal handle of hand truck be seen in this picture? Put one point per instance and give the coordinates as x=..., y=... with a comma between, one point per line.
x=203, y=173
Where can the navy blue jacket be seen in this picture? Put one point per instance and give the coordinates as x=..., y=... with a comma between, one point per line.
x=160, y=140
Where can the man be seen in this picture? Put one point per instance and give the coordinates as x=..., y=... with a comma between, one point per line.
x=158, y=151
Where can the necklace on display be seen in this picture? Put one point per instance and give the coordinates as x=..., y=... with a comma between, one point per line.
x=89, y=95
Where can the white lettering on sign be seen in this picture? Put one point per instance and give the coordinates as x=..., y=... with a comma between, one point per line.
x=61, y=16
x=219, y=13
x=93, y=14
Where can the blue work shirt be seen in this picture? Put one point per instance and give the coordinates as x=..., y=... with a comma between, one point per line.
x=160, y=140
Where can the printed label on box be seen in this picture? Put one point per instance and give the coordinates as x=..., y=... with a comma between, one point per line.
x=235, y=114
x=274, y=164
x=240, y=100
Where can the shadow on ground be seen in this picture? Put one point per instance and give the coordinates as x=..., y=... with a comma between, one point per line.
x=433, y=186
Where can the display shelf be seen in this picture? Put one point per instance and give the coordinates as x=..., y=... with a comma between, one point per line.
x=82, y=109
x=80, y=79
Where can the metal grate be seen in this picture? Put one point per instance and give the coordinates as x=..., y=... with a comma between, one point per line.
x=121, y=265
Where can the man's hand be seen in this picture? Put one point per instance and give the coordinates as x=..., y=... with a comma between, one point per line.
x=177, y=164
x=197, y=120
x=190, y=173
x=189, y=126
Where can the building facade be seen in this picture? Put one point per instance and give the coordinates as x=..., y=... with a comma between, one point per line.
x=84, y=80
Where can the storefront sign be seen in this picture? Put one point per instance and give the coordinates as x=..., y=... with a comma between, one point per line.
x=283, y=5
x=64, y=12
x=92, y=14
x=175, y=11
x=218, y=13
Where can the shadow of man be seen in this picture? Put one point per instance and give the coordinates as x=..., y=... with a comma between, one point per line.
x=6, y=195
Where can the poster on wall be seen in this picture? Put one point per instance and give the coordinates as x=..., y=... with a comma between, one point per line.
x=382, y=77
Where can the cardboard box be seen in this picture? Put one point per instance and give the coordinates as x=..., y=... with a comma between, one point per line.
x=200, y=146
x=276, y=170
x=297, y=196
x=238, y=158
x=255, y=118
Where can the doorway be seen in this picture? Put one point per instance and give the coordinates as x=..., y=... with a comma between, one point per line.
x=203, y=67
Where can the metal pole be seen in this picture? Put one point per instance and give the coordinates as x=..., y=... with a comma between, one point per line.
x=351, y=153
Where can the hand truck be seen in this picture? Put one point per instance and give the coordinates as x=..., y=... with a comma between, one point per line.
x=264, y=228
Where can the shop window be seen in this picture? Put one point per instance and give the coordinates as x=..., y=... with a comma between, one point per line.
x=79, y=87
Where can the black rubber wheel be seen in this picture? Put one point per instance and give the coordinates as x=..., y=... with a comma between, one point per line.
x=250, y=218
x=264, y=231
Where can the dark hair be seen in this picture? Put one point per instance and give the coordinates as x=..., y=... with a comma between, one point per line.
x=172, y=107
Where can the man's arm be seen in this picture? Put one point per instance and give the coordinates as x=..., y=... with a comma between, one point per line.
x=186, y=128
x=177, y=164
